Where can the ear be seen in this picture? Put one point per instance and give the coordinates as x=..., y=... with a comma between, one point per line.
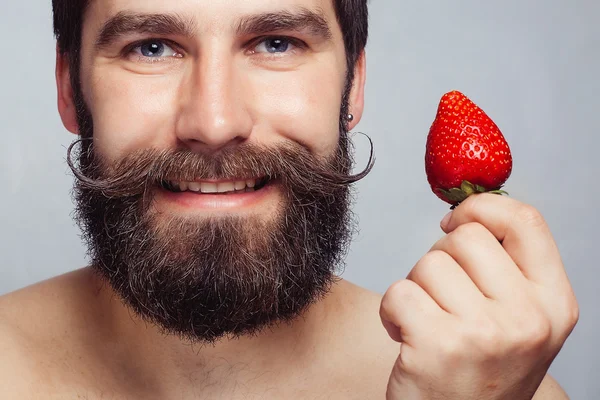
x=66, y=103
x=357, y=92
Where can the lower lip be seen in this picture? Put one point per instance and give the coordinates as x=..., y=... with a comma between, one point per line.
x=229, y=201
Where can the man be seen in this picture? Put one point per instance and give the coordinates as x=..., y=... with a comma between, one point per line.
x=212, y=189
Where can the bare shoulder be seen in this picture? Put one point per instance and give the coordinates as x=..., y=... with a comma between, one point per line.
x=550, y=389
x=383, y=351
x=20, y=363
x=17, y=365
x=45, y=308
x=368, y=351
x=33, y=323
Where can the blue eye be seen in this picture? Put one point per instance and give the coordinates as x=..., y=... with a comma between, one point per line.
x=274, y=45
x=155, y=49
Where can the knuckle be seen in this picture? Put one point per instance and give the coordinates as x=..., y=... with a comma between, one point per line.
x=487, y=337
x=529, y=215
x=435, y=257
x=427, y=266
x=401, y=290
x=467, y=233
x=534, y=334
x=452, y=348
x=573, y=315
x=570, y=313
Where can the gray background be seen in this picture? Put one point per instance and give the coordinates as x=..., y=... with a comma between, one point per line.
x=532, y=65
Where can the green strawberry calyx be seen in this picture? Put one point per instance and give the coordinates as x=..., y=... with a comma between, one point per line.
x=466, y=189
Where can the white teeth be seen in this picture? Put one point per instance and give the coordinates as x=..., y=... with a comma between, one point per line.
x=208, y=187
x=225, y=187
x=194, y=186
x=239, y=185
x=213, y=187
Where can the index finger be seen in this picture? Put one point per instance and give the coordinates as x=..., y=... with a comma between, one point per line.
x=520, y=228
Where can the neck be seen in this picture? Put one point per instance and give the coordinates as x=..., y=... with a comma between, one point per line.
x=148, y=355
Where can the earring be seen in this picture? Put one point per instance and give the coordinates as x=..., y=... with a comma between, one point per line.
x=350, y=117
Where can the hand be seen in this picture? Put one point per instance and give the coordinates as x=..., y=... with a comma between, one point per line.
x=484, y=313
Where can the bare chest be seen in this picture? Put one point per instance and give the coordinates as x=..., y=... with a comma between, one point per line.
x=362, y=391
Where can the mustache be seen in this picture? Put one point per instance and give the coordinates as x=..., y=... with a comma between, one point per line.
x=140, y=171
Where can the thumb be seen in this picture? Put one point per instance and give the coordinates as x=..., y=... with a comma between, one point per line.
x=400, y=386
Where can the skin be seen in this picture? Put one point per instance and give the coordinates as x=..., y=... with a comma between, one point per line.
x=70, y=337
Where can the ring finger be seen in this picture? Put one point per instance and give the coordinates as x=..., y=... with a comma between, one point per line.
x=447, y=283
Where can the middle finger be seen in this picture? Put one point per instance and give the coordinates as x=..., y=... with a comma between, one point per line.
x=484, y=259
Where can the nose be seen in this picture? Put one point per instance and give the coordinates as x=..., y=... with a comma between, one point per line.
x=213, y=111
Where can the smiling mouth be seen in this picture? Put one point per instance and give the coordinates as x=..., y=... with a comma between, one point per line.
x=216, y=187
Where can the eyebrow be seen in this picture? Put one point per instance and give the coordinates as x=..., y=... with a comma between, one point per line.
x=127, y=22
x=301, y=20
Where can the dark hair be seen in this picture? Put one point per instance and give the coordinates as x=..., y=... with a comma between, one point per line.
x=352, y=16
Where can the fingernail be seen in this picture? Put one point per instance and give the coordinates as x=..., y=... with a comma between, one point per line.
x=446, y=220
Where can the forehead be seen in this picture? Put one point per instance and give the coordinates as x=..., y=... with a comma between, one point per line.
x=208, y=15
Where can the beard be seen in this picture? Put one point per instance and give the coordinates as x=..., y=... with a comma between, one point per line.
x=205, y=278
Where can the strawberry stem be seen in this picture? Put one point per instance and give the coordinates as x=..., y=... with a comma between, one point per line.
x=455, y=196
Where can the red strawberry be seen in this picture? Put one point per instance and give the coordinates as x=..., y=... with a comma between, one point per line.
x=465, y=153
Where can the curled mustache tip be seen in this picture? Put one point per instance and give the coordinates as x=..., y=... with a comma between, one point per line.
x=367, y=170
x=70, y=162
x=139, y=172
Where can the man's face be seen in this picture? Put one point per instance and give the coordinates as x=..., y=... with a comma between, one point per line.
x=231, y=76
x=190, y=97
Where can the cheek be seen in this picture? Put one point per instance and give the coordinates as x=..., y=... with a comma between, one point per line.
x=131, y=112
x=301, y=105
